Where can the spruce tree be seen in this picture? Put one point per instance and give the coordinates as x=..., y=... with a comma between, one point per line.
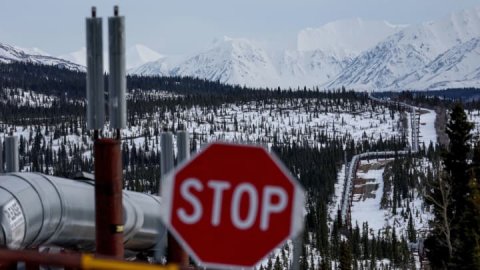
x=446, y=246
x=277, y=265
x=468, y=227
x=456, y=165
x=345, y=259
x=269, y=264
x=412, y=234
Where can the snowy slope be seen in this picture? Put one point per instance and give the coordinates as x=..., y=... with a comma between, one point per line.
x=457, y=67
x=136, y=56
x=160, y=67
x=78, y=57
x=240, y=61
x=10, y=54
x=358, y=54
x=366, y=205
x=377, y=68
x=34, y=51
x=408, y=50
x=234, y=61
x=310, y=68
x=345, y=38
x=316, y=61
x=139, y=54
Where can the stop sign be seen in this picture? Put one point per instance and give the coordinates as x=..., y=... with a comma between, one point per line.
x=231, y=205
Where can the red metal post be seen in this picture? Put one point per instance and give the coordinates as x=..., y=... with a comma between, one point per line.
x=108, y=198
x=8, y=265
x=175, y=252
x=31, y=266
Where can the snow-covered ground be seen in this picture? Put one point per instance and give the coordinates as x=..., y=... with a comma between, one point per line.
x=366, y=206
x=336, y=203
x=292, y=120
x=27, y=98
x=427, y=127
x=299, y=121
x=474, y=116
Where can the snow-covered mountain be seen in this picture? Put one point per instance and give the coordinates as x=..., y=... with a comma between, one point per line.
x=136, y=56
x=139, y=54
x=34, y=51
x=78, y=57
x=413, y=48
x=457, y=67
x=311, y=68
x=345, y=38
x=160, y=67
x=359, y=54
x=244, y=62
x=365, y=55
x=235, y=61
x=10, y=54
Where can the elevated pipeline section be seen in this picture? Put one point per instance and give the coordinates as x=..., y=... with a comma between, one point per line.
x=43, y=210
x=352, y=166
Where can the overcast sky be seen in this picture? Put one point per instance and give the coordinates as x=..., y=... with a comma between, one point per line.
x=182, y=27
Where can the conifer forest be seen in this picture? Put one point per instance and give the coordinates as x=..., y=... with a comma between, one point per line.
x=410, y=208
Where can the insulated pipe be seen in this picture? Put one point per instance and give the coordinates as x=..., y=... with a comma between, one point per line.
x=38, y=209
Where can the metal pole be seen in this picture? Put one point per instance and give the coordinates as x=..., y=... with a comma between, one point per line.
x=95, y=82
x=175, y=252
x=117, y=81
x=1, y=156
x=166, y=165
x=166, y=157
x=183, y=146
x=297, y=251
x=11, y=154
x=108, y=198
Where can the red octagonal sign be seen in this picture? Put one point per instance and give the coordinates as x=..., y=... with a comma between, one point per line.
x=231, y=205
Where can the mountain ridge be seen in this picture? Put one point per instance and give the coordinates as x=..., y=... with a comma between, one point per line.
x=408, y=50
x=10, y=53
x=400, y=51
x=355, y=53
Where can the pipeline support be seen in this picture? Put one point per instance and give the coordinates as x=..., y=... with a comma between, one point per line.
x=108, y=198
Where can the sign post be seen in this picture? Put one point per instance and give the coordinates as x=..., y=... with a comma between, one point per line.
x=231, y=205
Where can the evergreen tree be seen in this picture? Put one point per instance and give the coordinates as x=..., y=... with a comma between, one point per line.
x=468, y=228
x=412, y=234
x=304, y=258
x=269, y=264
x=325, y=263
x=456, y=165
x=447, y=245
x=345, y=259
x=277, y=265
